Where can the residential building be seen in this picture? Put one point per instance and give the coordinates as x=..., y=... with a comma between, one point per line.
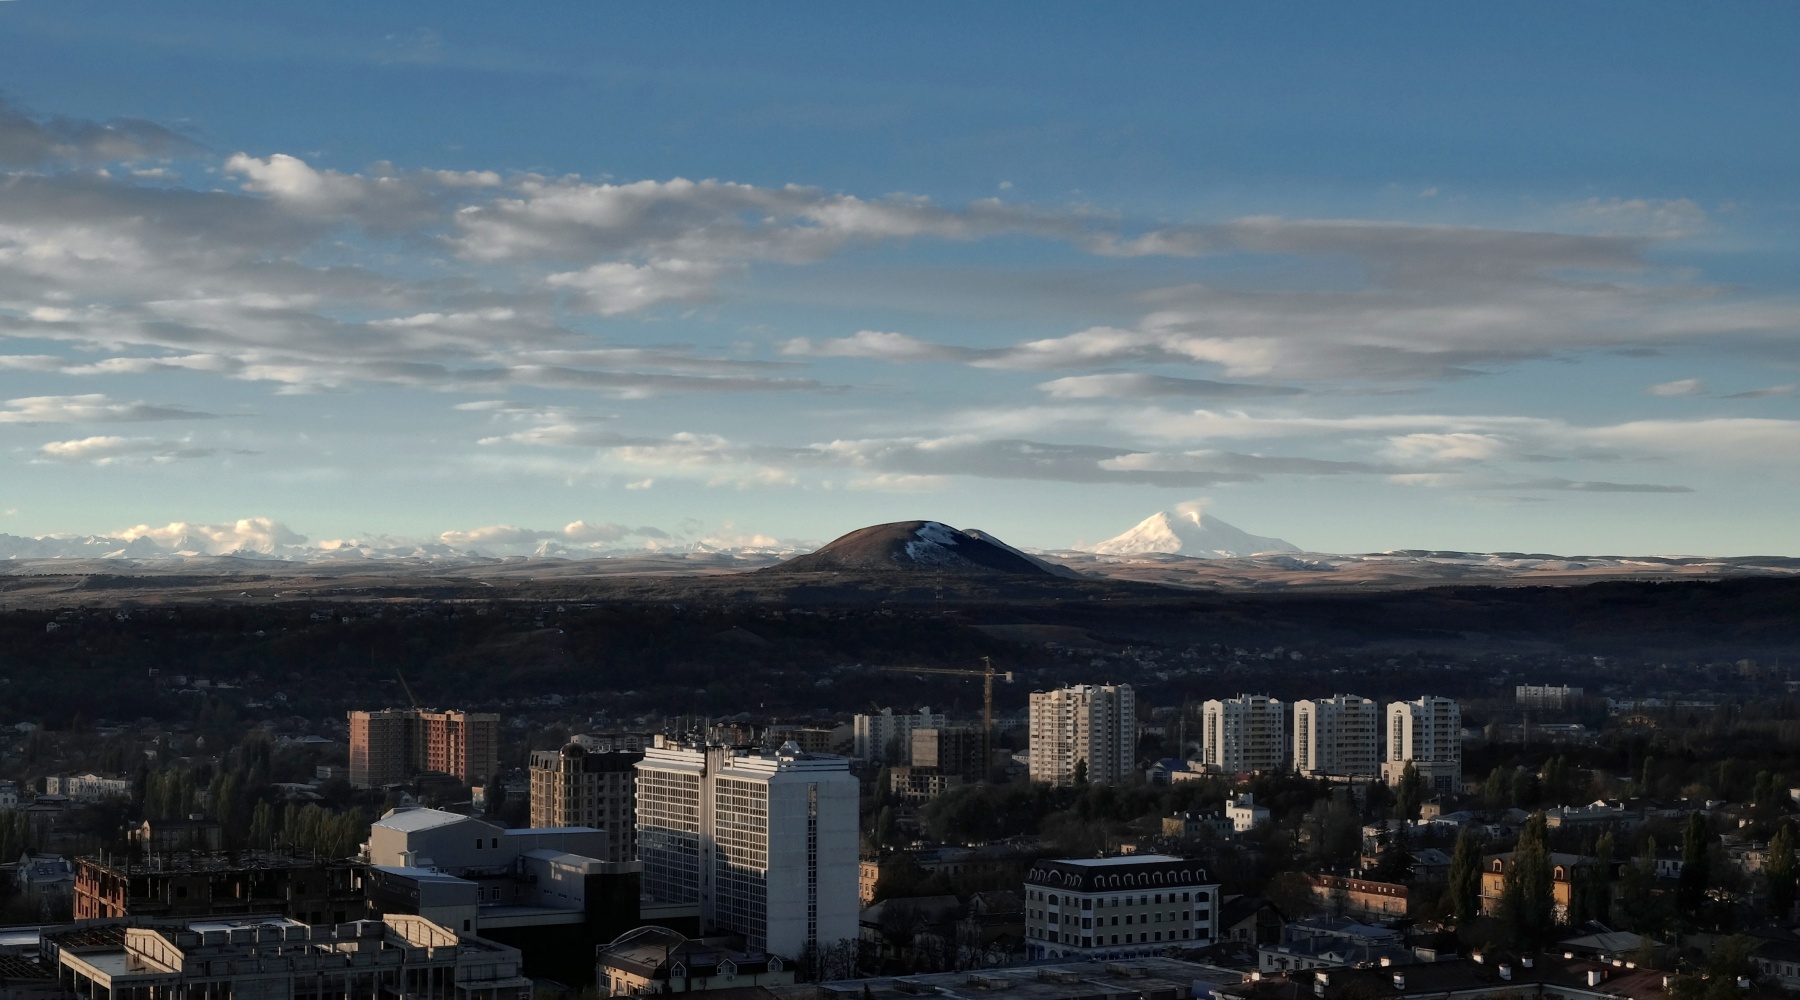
x=1087, y=730
x=1474, y=978
x=1245, y=815
x=764, y=842
x=918, y=785
x=656, y=960
x=886, y=738
x=577, y=787
x=1338, y=736
x=217, y=885
x=1360, y=898
x=88, y=786
x=9, y=796
x=43, y=878
x=1331, y=943
x=1566, y=872
x=1199, y=826
x=950, y=750
x=1545, y=697
x=392, y=745
x=1147, y=978
x=1243, y=734
x=275, y=957
x=1427, y=734
x=1123, y=907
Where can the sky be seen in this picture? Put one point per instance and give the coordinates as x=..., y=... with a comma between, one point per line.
x=603, y=276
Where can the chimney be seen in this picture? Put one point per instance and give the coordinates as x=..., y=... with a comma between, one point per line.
x=1593, y=977
x=1400, y=980
x=1477, y=956
x=1743, y=982
x=1387, y=960
x=1526, y=960
x=1505, y=971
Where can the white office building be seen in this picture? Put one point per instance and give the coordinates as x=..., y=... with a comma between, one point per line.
x=1243, y=734
x=764, y=842
x=1338, y=736
x=1133, y=906
x=1427, y=734
x=1089, y=724
x=886, y=738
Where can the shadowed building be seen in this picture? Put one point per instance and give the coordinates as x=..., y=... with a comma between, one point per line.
x=577, y=787
x=392, y=745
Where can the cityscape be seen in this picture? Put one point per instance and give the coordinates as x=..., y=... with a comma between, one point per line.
x=804, y=501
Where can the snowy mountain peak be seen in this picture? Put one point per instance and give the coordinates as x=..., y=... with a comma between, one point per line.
x=1187, y=530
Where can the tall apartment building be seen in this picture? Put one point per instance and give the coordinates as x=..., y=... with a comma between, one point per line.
x=389, y=746
x=1426, y=733
x=764, y=842
x=1338, y=736
x=575, y=787
x=1546, y=696
x=1246, y=733
x=1091, y=723
x=886, y=738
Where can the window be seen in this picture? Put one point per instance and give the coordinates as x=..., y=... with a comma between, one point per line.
x=478, y=843
x=1159, y=897
x=1087, y=904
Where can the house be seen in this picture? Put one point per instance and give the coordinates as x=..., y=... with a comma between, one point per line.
x=1326, y=942
x=650, y=960
x=1250, y=919
x=909, y=930
x=1566, y=871
x=1363, y=898
x=46, y=878
x=1245, y=814
x=1198, y=826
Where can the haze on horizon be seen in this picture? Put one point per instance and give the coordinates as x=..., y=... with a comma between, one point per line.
x=1514, y=278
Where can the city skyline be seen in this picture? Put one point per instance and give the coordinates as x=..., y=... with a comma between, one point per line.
x=1411, y=278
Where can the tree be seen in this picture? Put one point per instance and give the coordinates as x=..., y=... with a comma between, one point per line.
x=1781, y=871
x=1410, y=793
x=1081, y=773
x=1527, y=901
x=1695, y=876
x=1465, y=880
x=1591, y=898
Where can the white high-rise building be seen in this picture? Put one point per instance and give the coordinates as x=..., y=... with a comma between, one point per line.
x=764, y=842
x=1246, y=733
x=886, y=738
x=1339, y=736
x=1091, y=723
x=1427, y=734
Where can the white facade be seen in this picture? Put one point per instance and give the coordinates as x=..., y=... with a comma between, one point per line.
x=412, y=837
x=1426, y=733
x=1125, y=907
x=765, y=843
x=886, y=738
x=1246, y=733
x=88, y=786
x=1340, y=735
x=1245, y=815
x=1091, y=723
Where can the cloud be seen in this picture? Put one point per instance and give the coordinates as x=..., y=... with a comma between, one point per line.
x=90, y=408
x=617, y=288
x=251, y=534
x=1680, y=387
x=1137, y=385
x=29, y=141
x=110, y=450
x=1573, y=486
x=1457, y=446
x=1773, y=390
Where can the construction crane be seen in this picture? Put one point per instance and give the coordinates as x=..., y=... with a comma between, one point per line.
x=987, y=675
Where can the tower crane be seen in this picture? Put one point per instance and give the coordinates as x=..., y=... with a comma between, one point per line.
x=987, y=674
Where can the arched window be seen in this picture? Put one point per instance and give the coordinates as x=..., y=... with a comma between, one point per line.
x=1559, y=874
x=1499, y=866
x=1052, y=898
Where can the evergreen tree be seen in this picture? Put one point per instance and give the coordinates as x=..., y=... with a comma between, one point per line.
x=1465, y=880
x=1781, y=871
x=1527, y=903
x=1695, y=876
x=1409, y=794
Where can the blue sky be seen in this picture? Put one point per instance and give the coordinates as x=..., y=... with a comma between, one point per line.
x=1400, y=276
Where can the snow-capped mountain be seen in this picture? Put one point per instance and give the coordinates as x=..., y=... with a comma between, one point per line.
x=1187, y=530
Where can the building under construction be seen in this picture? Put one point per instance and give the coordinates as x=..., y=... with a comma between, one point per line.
x=392, y=745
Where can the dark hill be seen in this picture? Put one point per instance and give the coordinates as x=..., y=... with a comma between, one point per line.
x=912, y=546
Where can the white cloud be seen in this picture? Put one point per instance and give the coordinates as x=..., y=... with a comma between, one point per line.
x=1451, y=447
x=89, y=408
x=250, y=534
x=113, y=450
x=616, y=288
x=1680, y=387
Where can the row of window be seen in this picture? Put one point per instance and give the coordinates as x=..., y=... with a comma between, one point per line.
x=1087, y=903
x=1090, y=941
x=1200, y=914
